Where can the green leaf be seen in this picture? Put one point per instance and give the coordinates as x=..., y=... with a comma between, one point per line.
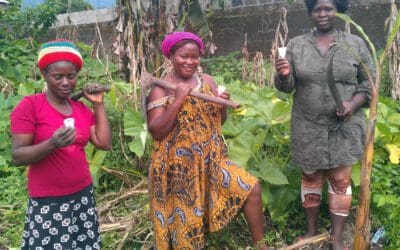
x=229, y=129
x=95, y=158
x=133, y=122
x=258, y=142
x=3, y=162
x=251, y=124
x=356, y=174
x=393, y=33
x=135, y=126
x=272, y=174
x=136, y=147
x=279, y=199
x=394, y=118
x=381, y=201
x=240, y=148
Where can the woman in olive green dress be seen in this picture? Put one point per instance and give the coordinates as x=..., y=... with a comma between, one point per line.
x=325, y=141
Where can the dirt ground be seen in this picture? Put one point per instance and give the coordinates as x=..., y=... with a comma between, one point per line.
x=348, y=235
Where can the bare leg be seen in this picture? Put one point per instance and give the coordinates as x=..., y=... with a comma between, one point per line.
x=337, y=230
x=339, y=179
x=253, y=213
x=311, y=191
x=311, y=217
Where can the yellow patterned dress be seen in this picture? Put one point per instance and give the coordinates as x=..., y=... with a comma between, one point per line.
x=193, y=186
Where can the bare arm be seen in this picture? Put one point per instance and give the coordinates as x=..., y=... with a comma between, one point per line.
x=284, y=80
x=24, y=153
x=161, y=120
x=100, y=133
x=225, y=95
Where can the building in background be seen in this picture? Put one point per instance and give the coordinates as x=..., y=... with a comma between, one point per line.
x=96, y=4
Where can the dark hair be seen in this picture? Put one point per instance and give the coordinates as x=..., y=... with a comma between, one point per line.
x=341, y=5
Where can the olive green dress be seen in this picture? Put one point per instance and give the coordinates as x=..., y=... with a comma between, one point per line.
x=320, y=140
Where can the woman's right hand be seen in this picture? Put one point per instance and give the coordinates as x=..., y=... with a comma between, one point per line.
x=282, y=67
x=182, y=91
x=63, y=136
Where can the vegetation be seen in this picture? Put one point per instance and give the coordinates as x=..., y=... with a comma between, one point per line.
x=257, y=136
x=32, y=22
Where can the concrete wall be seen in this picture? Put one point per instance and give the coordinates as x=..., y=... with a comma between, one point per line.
x=257, y=18
x=81, y=26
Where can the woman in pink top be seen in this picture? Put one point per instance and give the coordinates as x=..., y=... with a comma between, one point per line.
x=61, y=208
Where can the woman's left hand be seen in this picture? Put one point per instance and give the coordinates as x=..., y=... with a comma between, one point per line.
x=91, y=92
x=348, y=111
x=351, y=107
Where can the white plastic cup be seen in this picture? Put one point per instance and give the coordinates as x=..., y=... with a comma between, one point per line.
x=282, y=52
x=69, y=122
x=220, y=90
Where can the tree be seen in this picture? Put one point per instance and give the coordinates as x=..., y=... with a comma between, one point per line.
x=32, y=22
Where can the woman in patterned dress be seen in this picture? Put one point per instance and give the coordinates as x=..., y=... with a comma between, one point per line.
x=61, y=207
x=194, y=187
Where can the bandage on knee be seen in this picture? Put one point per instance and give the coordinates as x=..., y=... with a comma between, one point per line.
x=311, y=189
x=339, y=199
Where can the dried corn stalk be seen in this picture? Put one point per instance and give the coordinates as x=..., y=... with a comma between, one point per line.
x=141, y=28
x=245, y=59
x=394, y=53
x=258, y=71
x=281, y=35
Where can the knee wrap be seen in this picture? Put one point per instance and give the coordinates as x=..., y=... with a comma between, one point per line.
x=339, y=199
x=311, y=189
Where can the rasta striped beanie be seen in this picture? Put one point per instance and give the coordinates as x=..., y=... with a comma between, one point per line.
x=59, y=50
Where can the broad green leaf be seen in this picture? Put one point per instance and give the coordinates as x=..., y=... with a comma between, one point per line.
x=95, y=158
x=98, y=157
x=280, y=112
x=279, y=199
x=394, y=31
x=95, y=172
x=133, y=122
x=251, y=124
x=266, y=194
x=356, y=174
x=394, y=118
x=230, y=129
x=259, y=139
x=275, y=111
x=136, y=147
x=2, y=161
x=135, y=126
x=380, y=201
x=28, y=89
x=383, y=129
x=272, y=175
x=240, y=148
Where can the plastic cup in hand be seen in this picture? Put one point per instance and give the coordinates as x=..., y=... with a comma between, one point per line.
x=221, y=89
x=282, y=52
x=69, y=122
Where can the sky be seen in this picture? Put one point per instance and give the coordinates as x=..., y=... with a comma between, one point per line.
x=97, y=4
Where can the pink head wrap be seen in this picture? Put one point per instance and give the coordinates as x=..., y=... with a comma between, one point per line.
x=171, y=39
